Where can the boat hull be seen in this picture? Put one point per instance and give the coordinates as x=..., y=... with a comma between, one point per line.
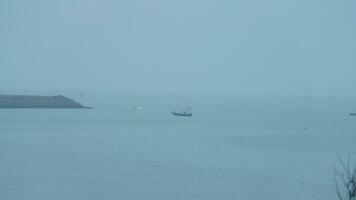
x=182, y=114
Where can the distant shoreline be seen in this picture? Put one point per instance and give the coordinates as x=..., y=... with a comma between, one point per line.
x=39, y=102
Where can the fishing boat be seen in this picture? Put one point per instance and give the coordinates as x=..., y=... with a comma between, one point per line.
x=184, y=113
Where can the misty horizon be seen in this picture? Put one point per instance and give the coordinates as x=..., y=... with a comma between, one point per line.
x=177, y=99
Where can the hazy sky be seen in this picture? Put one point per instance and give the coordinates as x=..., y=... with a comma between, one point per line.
x=233, y=46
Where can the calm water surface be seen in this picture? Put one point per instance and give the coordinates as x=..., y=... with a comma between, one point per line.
x=254, y=149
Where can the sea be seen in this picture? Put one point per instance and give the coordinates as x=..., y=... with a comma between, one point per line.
x=130, y=147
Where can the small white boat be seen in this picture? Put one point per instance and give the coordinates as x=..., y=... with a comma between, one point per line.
x=138, y=108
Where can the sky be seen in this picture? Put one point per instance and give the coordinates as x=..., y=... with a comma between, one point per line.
x=303, y=47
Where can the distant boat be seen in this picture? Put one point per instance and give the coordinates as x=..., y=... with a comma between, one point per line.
x=138, y=108
x=182, y=114
x=352, y=114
